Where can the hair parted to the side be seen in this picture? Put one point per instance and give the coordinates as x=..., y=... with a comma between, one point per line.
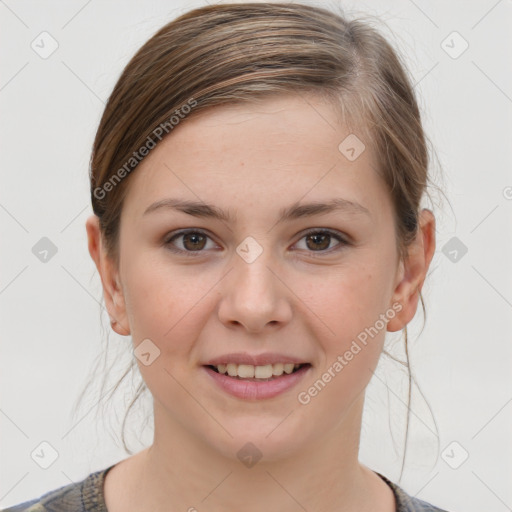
x=243, y=52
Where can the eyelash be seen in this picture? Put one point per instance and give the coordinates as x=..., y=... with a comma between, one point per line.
x=314, y=231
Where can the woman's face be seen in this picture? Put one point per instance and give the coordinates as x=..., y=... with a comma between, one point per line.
x=267, y=281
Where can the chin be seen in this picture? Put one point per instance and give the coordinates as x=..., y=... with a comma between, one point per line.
x=262, y=439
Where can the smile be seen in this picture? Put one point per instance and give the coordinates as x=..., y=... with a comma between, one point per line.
x=256, y=382
x=249, y=371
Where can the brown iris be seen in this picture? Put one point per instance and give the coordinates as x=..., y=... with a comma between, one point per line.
x=197, y=241
x=319, y=237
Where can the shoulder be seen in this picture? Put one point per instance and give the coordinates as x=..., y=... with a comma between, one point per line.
x=407, y=503
x=83, y=496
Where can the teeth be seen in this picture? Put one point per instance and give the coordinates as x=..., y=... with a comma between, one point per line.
x=248, y=371
x=245, y=371
x=277, y=369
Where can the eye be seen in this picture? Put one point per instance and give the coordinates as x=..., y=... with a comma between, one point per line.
x=193, y=240
x=318, y=240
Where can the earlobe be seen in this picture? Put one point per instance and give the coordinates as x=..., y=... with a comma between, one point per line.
x=112, y=291
x=413, y=271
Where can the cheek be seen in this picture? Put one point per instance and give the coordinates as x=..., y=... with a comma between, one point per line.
x=352, y=350
x=353, y=305
x=350, y=300
x=167, y=306
x=165, y=309
x=154, y=295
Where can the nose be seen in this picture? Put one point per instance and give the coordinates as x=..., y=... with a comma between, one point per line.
x=254, y=295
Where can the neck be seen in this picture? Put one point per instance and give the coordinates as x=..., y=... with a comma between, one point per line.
x=179, y=471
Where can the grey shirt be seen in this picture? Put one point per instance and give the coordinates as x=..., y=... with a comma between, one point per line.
x=87, y=496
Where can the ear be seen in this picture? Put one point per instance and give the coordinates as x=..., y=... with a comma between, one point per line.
x=109, y=273
x=412, y=272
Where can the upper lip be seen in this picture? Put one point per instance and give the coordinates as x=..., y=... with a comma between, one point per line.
x=254, y=359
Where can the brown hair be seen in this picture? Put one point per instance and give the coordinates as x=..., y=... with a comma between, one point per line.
x=231, y=53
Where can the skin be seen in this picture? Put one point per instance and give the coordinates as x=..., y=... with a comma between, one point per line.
x=299, y=298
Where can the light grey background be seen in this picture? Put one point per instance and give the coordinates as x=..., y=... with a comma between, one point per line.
x=50, y=311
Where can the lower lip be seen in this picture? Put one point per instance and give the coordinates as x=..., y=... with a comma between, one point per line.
x=253, y=390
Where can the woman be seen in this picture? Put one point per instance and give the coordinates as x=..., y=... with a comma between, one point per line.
x=270, y=237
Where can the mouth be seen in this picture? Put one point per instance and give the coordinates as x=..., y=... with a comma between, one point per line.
x=251, y=373
x=250, y=382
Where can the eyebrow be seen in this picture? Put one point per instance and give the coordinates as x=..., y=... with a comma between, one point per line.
x=295, y=211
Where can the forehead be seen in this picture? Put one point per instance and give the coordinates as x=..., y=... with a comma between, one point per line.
x=283, y=147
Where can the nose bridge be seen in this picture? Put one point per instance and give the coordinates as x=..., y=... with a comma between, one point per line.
x=252, y=273
x=253, y=295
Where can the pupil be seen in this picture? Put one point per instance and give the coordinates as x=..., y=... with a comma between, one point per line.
x=323, y=237
x=194, y=236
